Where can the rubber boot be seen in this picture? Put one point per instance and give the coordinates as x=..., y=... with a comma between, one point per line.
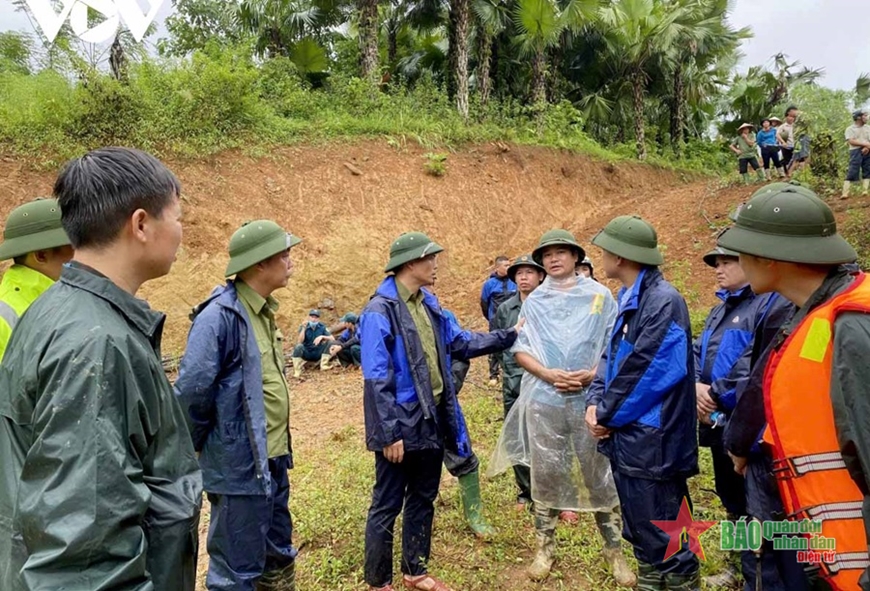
x=279, y=580
x=324, y=362
x=469, y=496
x=610, y=525
x=298, y=363
x=847, y=185
x=545, y=538
x=745, y=176
x=866, y=187
x=760, y=174
x=649, y=578
x=676, y=582
x=780, y=172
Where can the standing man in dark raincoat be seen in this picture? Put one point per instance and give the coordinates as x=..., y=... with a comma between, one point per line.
x=411, y=410
x=642, y=403
x=100, y=487
x=527, y=275
x=231, y=382
x=496, y=289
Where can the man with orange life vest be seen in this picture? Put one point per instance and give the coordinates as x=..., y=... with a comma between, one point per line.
x=815, y=384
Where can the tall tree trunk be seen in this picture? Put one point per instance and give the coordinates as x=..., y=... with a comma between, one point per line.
x=557, y=56
x=539, y=77
x=459, y=52
x=118, y=60
x=637, y=96
x=678, y=125
x=392, y=40
x=368, y=40
x=484, y=60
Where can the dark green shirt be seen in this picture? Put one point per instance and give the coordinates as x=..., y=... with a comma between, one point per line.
x=427, y=336
x=506, y=316
x=747, y=149
x=276, y=395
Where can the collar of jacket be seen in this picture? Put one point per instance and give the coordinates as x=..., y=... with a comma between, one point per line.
x=836, y=281
x=514, y=301
x=149, y=322
x=388, y=289
x=736, y=296
x=647, y=276
x=29, y=283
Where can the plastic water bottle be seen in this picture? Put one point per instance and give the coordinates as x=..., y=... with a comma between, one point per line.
x=718, y=417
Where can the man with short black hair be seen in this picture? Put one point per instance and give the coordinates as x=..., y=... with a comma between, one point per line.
x=785, y=136
x=102, y=488
x=346, y=346
x=312, y=344
x=231, y=382
x=497, y=289
x=35, y=241
x=858, y=138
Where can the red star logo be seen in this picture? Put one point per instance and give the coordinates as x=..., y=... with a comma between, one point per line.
x=684, y=525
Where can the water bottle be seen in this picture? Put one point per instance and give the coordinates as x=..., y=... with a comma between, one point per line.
x=718, y=417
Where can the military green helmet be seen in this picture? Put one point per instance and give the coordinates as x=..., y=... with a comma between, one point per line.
x=256, y=241
x=710, y=257
x=557, y=237
x=771, y=188
x=789, y=224
x=349, y=317
x=525, y=260
x=632, y=238
x=408, y=247
x=31, y=227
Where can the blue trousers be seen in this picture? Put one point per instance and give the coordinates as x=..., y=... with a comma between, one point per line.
x=644, y=501
x=250, y=535
x=413, y=485
x=859, y=166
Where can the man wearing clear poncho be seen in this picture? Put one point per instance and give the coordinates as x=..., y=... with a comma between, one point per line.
x=568, y=321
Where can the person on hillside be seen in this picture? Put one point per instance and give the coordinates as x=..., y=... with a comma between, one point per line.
x=815, y=382
x=786, y=138
x=101, y=487
x=527, y=274
x=568, y=319
x=766, y=139
x=231, y=383
x=858, y=138
x=410, y=406
x=496, y=290
x=35, y=241
x=747, y=154
x=313, y=341
x=346, y=346
x=641, y=404
x=722, y=365
x=586, y=268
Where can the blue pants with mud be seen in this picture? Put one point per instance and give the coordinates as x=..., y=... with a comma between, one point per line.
x=643, y=501
x=412, y=486
x=250, y=535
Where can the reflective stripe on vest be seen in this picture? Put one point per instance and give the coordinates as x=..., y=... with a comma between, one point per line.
x=8, y=314
x=811, y=474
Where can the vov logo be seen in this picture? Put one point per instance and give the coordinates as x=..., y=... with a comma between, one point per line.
x=113, y=11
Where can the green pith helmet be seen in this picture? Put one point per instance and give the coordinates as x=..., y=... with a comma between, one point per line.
x=256, y=241
x=525, y=260
x=772, y=188
x=408, y=247
x=710, y=257
x=557, y=238
x=349, y=317
x=791, y=224
x=632, y=238
x=31, y=227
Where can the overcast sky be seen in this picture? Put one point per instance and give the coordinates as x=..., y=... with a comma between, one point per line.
x=829, y=34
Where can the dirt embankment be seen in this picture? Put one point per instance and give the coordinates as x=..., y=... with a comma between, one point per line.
x=349, y=201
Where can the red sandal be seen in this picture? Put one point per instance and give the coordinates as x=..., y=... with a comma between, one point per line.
x=424, y=583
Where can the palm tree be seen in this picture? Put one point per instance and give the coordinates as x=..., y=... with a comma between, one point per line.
x=636, y=32
x=368, y=40
x=490, y=19
x=457, y=55
x=540, y=25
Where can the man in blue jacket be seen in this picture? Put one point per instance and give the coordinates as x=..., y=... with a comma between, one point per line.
x=231, y=382
x=722, y=364
x=498, y=288
x=642, y=402
x=411, y=411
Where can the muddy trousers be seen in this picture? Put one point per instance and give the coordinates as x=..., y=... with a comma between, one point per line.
x=409, y=487
x=250, y=535
x=522, y=474
x=643, y=501
x=608, y=523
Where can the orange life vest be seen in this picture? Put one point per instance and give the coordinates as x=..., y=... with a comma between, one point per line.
x=811, y=474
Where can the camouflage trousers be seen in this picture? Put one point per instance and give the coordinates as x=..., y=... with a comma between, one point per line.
x=609, y=524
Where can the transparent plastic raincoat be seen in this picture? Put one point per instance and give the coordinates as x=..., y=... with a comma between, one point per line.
x=568, y=323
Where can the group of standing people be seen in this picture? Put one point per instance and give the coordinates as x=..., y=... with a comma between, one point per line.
x=105, y=462
x=780, y=144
